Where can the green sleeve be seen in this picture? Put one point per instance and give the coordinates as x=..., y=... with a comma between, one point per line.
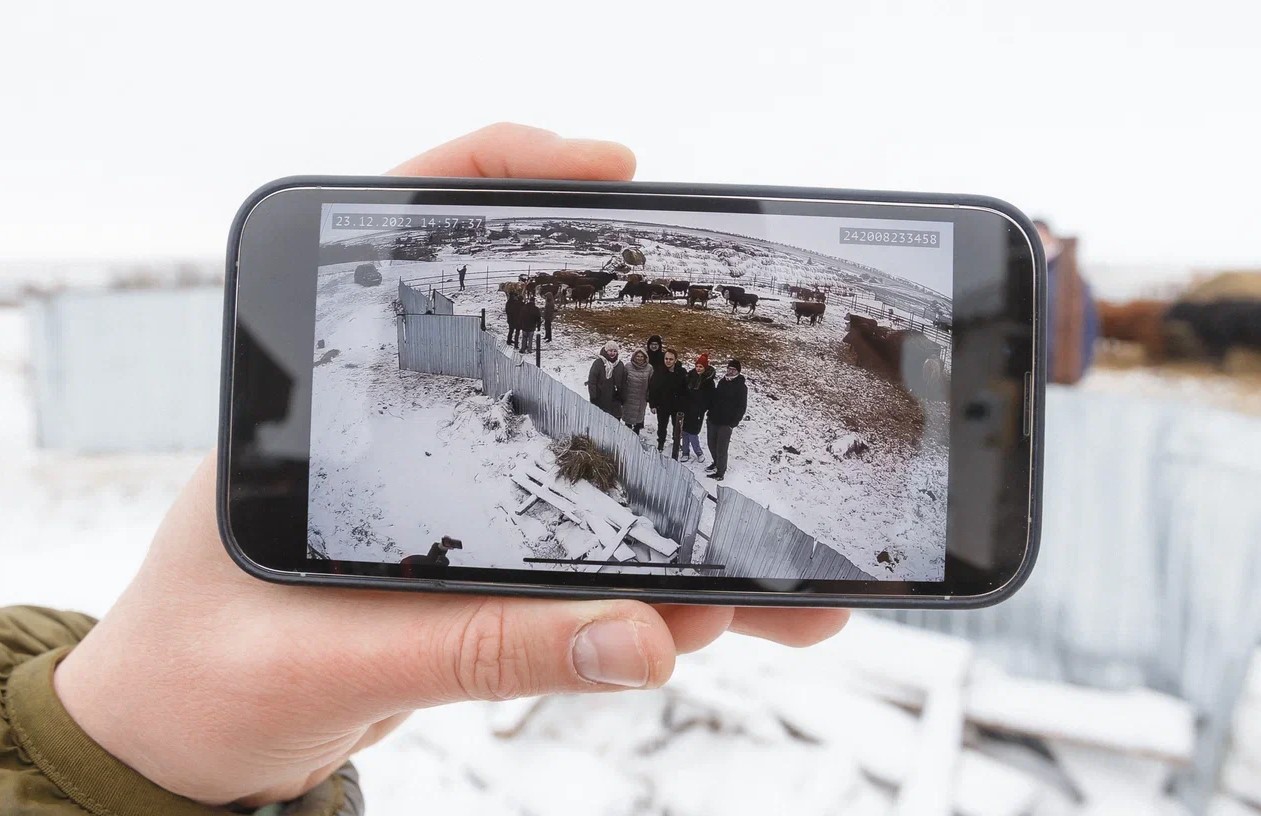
x=50, y=767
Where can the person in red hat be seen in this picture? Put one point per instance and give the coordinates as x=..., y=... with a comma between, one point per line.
x=700, y=389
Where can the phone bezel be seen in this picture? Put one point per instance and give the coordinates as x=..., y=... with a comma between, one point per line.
x=955, y=592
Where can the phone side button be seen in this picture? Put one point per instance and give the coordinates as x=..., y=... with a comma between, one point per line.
x=1028, y=412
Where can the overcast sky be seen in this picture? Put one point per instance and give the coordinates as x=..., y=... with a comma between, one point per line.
x=134, y=130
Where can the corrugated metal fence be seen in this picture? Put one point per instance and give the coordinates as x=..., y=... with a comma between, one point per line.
x=658, y=488
x=752, y=542
x=414, y=301
x=1150, y=569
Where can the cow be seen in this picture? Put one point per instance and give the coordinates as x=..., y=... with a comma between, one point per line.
x=698, y=294
x=632, y=290
x=905, y=356
x=634, y=277
x=515, y=288
x=680, y=286
x=814, y=311
x=583, y=293
x=656, y=291
x=738, y=299
x=1139, y=321
x=598, y=280
x=728, y=290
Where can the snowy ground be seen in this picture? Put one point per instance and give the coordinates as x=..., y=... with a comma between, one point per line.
x=407, y=436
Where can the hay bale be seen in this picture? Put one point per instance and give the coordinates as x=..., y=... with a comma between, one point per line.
x=578, y=458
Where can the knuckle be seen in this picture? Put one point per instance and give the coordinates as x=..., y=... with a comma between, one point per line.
x=489, y=665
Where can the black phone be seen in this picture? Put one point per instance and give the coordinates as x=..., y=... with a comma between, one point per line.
x=677, y=393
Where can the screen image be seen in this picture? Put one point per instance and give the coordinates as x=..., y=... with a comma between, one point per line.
x=685, y=393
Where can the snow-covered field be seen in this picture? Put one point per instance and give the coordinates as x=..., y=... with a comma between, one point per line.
x=419, y=444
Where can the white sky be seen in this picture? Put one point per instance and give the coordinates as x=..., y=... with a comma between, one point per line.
x=134, y=130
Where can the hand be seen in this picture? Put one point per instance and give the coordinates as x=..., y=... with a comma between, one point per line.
x=225, y=688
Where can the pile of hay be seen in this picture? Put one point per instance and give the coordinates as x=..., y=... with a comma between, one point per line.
x=578, y=458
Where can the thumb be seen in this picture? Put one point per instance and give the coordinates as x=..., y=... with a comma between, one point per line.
x=502, y=648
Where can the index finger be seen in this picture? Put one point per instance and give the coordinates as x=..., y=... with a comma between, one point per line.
x=507, y=150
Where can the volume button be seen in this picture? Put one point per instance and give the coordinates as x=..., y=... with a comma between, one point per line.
x=1028, y=404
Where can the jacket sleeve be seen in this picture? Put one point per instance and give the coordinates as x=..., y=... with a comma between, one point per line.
x=741, y=404
x=592, y=380
x=50, y=767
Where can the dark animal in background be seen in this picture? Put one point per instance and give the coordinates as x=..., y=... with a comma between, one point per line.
x=598, y=280
x=584, y=294
x=680, y=286
x=656, y=291
x=727, y=291
x=698, y=294
x=804, y=293
x=903, y=355
x=814, y=311
x=1214, y=327
x=745, y=299
x=367, y=275
x=632, y=290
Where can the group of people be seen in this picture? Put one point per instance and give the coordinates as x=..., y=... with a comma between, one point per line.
x=682, y=401
x=525, y=318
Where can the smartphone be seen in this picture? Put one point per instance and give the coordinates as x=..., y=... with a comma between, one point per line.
x=677, y=393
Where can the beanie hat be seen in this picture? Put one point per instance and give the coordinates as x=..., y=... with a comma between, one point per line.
x=734, y=364
x=702, y=361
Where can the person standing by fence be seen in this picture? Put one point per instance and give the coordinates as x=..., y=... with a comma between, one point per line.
x=731, y=399
x=638, y=380
x=463, y=270
x=513, y=312
x=606, y=381
x=668, y=397
x=530, y=319
x=700, y=392
x=549, y=312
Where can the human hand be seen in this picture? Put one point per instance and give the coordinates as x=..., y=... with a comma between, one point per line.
x=224, y=688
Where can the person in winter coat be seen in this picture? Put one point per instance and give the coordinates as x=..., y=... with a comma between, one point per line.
x=529, y=318
x=463, y=270
x=700, y=390
x=606, y=381
x=638, y=380
x=549, y=312
x=731, y=398
x=513, y=312
x=656, y=352
x=667, y=395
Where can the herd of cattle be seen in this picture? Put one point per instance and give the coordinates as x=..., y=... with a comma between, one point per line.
x=906, y=356
x=582, y=287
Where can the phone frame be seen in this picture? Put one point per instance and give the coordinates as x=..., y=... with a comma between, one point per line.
x=1033, y=398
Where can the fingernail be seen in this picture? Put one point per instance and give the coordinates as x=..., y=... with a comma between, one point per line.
x=609, y=652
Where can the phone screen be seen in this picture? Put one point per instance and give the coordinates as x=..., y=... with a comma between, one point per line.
x=683, y=393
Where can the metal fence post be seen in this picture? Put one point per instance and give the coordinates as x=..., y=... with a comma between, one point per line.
x=538, y=352
x=483, y=320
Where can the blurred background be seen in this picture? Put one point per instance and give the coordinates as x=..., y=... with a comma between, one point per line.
x=1117, y=681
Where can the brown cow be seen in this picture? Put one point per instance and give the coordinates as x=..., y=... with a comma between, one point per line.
x=814, y=311
x=634, y=277
x=584, y=294
x=1139, y=321
x=905, y=356
x=698, y=294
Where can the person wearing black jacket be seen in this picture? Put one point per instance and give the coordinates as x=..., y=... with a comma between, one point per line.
x=656, y=352
x=726, y=409
x=700, y=391
x=549, y=313
x=513, y=312
x=530, y=318
x=667, y=396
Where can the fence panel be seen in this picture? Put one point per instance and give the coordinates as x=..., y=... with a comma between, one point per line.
x=441, y=344
x=752, y=542
x=414, y=301
x=443, y=305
